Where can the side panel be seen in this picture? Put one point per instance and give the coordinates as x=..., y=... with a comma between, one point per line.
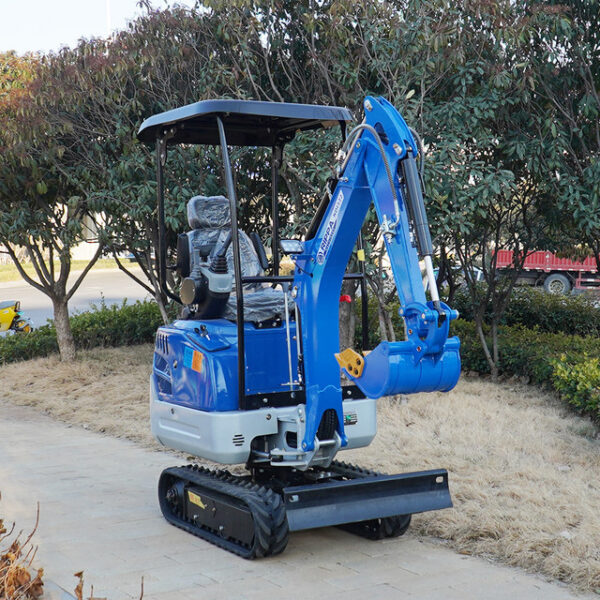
x=193, y=370
x=267, y=367
x=195, y=363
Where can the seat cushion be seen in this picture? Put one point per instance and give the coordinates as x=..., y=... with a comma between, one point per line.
x=262, y=304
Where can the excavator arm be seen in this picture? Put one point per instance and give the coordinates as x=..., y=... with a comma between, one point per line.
x=379, y=167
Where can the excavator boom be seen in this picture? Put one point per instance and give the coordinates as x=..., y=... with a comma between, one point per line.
x=379, y=168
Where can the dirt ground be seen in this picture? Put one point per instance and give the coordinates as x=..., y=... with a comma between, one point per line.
x=523, y=469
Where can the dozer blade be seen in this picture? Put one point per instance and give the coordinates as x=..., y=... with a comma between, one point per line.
x=372, y=497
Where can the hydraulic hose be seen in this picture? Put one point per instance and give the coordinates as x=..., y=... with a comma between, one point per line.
x=375, y=134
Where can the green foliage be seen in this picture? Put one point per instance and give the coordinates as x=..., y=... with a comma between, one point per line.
x=534, y=308
x=569, y=364
x=567, y=64
x=116, y=325
x=40, y=342
x=106, y=326
x=579, y=382
x=523, y=352
x=505, y=95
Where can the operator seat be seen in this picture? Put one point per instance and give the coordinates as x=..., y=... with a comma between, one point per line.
x=210, y=218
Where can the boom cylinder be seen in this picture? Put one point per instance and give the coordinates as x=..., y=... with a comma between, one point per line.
x=416, y=205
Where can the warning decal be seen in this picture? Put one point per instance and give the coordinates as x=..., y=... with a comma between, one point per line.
x=195, y=499
x=192, y=359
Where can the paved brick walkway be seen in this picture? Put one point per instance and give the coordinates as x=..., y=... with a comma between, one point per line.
x=99, y=513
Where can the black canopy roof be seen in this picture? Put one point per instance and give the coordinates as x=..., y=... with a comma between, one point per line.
x=247, y=122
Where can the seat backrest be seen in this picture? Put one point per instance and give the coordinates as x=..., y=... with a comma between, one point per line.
x=210, y=218
x=209, y=212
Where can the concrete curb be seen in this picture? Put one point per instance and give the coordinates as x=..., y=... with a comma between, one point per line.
x=52, y=591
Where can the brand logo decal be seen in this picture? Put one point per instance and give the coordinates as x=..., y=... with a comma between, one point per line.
x=330, y=229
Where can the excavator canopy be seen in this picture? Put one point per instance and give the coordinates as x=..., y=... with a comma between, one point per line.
x=248, y=123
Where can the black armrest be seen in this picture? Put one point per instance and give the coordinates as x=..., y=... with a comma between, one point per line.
x=260, y=250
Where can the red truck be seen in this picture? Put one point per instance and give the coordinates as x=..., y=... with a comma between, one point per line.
x=557, y=275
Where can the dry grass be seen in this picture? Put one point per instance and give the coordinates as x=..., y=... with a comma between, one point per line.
x=523, y=470
x=104, y=390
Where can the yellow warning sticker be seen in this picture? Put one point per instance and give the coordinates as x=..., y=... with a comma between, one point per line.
x=195, y=499
x=197, y=361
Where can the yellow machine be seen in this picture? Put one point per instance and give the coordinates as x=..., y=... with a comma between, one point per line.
x=12, y=319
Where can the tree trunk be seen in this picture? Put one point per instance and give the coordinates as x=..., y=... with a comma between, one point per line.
x=486, y=351
x=64, y=335
x=160, y=298
x=382, y=324
x=390, y=325
x=162, y=308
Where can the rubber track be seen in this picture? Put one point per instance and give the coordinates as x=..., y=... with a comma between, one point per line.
x=267, y=509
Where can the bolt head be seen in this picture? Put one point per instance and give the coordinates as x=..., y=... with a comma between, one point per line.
x=303, y=445
x=397, y=149
x=368, y=105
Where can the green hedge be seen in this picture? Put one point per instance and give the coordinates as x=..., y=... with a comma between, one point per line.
x=117, y=325
x=105, y=326
x=567, y=363
x=535, y=308
x=579, y=382
x=570, y=364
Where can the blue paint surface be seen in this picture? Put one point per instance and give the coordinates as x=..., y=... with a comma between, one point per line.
x=215, y=388
x=427, y=361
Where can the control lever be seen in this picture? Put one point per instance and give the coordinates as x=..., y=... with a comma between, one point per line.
x=219, y=261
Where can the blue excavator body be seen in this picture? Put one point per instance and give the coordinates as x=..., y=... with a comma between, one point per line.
x=258, y=377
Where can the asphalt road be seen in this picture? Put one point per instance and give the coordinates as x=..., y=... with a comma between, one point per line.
x=111, y=284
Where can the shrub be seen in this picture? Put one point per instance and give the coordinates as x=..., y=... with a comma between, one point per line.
x=105, y=326
x=40, y=342
x=569, y=364
x=532, y=307
x=116, y=325
x=526, y=352
x=579, y=382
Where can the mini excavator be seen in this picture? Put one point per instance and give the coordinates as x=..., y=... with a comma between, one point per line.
x=251, y=373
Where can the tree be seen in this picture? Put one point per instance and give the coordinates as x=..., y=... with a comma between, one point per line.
x=41, y=208
x=487, y=181
x=566, y=55
x=462, y=73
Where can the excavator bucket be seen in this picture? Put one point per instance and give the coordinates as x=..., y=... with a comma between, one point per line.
x=365, y=498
